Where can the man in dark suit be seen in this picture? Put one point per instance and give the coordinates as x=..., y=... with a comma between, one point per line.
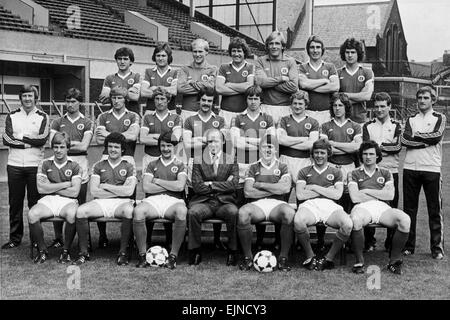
x=214, y=181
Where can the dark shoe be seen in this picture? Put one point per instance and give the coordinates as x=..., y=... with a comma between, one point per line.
x=103, y=242
x=41, y=257
x=64, y=257
x=395, y=267
x=57, y=243
x=10, y=245
x=407, y=252
x=310, y=263
x=122, y=259
x=82, y=258
x=171, y=262
x=324, y=264
x=370, y=248
x=246, y=264
x=283, y=264
x=231, y=258
x=437, y=255
x=358, y=268
x=195, y=257
x=142, y=261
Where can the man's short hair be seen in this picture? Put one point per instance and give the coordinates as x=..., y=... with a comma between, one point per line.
x=239, y=43
x=73, y=93
x=352, y=43
x=207, y=91
x=345, y=101
x=254, y=90
x=118, y=91
x=300, y=95
x=369, y=145
x=314, y=38
x=116, y=137
x=428, y=89
x=274, y=35
x=200, y=42
x=167, y=137
x=124, y=52
x=161, y=91
x=61, y=138
x=28, y=88
x=322, y=144
x=163, y=46
x=383, y=96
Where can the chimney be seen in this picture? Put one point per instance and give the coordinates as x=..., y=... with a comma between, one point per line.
x=446, y=58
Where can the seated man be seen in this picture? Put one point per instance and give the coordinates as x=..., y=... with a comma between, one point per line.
x=112, y=185
x=370, y=187
x=164, y=183
x=321, y=185
x=214, y=182
x=267, y=181
x=59, y=179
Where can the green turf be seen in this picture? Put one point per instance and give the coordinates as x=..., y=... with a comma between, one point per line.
x=101, y=278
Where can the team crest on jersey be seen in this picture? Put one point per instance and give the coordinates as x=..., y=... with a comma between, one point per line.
x=68, y=172
x=205, y=77
x=361, y=78
x=277, y=172
x=215, y=124
x=263, y=124
x=284, y=71
x=169, y=80
x=325, y=73
x=330, y=177
x=350, y=131
x=170, y=124
x=123, y=172
x=127, y=122
x=80, y=126
x=380, y=180
x=174, y=169
x=130, y=81
x=308, y=126
x=245, y=73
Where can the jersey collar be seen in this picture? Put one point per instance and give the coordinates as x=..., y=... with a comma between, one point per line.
x=363, y=168
x=207, y=119
x=340, y=125
x=165, y=164
x=270, y=166
x=238, y=69
x=161, y=74
x=301, y=119
x=352, y=73
x=319, y=171
x=125, y=76
x=320, y=66
x=80, y=115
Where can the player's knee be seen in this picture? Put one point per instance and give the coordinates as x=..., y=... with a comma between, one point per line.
x=244, y=217
x=139, y=213
x=300, y=224
x=71, y=214
x=81, y=212
x=33, y=216
x=346, y=226
x=287, y=215
x=128, y=212
x=357, y=221
x=181, y=213
x=403, y=222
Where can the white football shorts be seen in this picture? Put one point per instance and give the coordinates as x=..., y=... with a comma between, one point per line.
x=56, y=203
x=267, y=205
x=321, y=208
x=109, y=206
x=162, y=202
x=374, y=207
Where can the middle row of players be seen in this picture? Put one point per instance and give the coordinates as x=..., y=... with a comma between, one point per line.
x=214, y=186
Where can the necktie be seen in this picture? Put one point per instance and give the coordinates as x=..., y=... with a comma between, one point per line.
x=215, y=164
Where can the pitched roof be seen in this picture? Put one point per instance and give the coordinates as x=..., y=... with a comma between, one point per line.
x=335, y=23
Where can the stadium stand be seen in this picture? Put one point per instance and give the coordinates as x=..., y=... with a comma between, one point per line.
x=9, y=21
x=97, y=23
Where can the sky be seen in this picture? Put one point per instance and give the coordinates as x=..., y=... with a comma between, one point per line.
x=426, y=25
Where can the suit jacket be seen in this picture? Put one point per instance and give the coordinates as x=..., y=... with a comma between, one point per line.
x=224, y=184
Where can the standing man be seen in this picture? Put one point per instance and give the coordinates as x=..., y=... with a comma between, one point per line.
x=386, y=133
x=118, y=119
x=370, y=188
x=319, y=79
x=162, y=75
x=355, y=80
x=164, y=183
x=124, y=78
x=319, y=186
x=80, y=131
x=195, y=78
x=234, y=79
x=214, y=182
x=267, y=181
x=423, y=141
x=26, y=132
x=277, y=75
x=59, y=179
x=112, y=184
